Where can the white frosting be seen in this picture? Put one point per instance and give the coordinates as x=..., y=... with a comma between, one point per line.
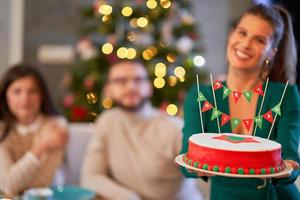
x=206, y=140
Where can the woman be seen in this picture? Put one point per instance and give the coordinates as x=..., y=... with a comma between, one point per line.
x=32, y=135
x=260, y=45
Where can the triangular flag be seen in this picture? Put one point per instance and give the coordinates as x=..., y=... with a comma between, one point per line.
x=248, y=96
x=258, y=121
x=226, y=92
x=268, y=116
x=235, y=122
x=276, y=109
x=217, y=85
x=206, y=106
x=236, y=96
x=225, y=118
x=201, y=97
x=215, y=113
x=248, y=123
x=259, y=90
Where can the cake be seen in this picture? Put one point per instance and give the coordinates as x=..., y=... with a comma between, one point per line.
x=233, y=153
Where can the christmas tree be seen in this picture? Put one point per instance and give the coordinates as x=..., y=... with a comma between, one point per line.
x=162, y=34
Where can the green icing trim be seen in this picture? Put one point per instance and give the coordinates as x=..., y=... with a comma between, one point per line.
x=240, y=170
x=236, y=138
x=227, y=170
x=190, y=162
x=263, y=171
x=272, y=170
x=251, y=171
x=196, y=164
x=215, y=168
x=205, y=166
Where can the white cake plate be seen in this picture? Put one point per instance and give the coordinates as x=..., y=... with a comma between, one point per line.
x=288, y=169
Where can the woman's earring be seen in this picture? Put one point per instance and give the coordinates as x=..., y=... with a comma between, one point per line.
x=267, y=62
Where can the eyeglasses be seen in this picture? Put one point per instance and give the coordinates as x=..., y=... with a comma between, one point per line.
x=124, y=80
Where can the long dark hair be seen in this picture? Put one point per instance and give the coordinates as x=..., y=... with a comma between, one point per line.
x=15, y=73
x=283, y=66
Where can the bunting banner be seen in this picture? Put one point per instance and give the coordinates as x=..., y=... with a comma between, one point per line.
x=215, y=113
x=259, y=90
x=201, y=97
x=248, y=123
x=276, y=109
x=234, y=123
x=268, y=116
x=217, y=85
x=224, y=119
x=236, y=95
x=206, y=106
x=248, y=96
x=226, y=92
x=258, y=121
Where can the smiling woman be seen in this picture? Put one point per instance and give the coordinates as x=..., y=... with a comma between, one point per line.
x=32, y=135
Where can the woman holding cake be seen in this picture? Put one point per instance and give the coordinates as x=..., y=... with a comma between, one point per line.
x=32, y=134
x=261, y=57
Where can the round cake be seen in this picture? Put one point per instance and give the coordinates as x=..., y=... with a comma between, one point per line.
x=234, y=153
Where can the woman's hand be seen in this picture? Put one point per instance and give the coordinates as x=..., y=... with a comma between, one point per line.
x=292, y=164
x=53, y=136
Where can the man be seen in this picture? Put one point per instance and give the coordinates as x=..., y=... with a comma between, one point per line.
x=131, y=155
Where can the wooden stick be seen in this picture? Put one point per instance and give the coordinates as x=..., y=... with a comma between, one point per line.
x=199, y=104
x=215, y=102
x=261, y=105
x=279, y=106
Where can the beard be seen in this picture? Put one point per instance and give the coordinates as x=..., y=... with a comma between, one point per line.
x=134, y=108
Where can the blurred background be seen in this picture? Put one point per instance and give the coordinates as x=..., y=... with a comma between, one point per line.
x=73, y=43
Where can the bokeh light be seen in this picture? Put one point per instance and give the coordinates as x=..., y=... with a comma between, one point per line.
x=105, y=9
x=107, y=48
x=159, y=82
x=142, y=22
x=92, y=98
x=107, y=103
x=179, y=72
x=172, y=109
x=151, y=4
x=127, y=11
x=199, y=61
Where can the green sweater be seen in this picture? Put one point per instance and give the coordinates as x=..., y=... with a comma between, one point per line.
x=286, y=131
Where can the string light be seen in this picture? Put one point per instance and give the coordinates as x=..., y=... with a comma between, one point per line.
x=172, y=80
x=165, y=4
x=179, y=72
x=107, y=103
x=122, y=52
x=92, y=98
x=160, y=70
x=127, y=11
x=107, y=48
x=172, y=109
x=199, y=61
x=142, y=22
x=106, y=19
x=159, y=82
x=105, y=9
x=133, y=23
x=151, y=4
x=171, y=58
x=131, y=53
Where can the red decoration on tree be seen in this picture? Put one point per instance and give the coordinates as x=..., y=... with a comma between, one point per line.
x=259, y=90
x=217, y=85
x=207, y=106
x=236, y=95
x=247, y=123
x=268, y=116
x=225, y=119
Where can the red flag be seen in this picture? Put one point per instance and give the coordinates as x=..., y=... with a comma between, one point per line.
x=217, y=85
x=248, y=123
x=225, y=119
x=236, y=95
x=268, y=116
x=206, y=106
x=259, y=90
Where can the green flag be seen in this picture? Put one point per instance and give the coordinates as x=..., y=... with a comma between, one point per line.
x=226, y=92
x=234, y=123
x=248, y=96
x=215, y=113
x=201, y=97
x=276, y=109
x=258, y=121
